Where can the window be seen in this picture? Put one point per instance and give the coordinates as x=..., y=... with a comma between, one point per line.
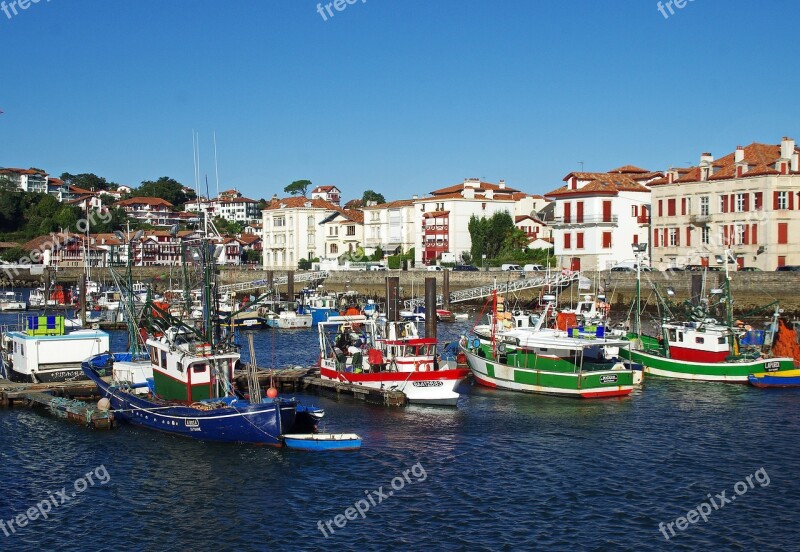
x=334, y=231
x=567, y=212
x=758, y=201
x=740, y=199
x=199, y=368
x=722, y=340
x=704, y=205
x=723, y=204
x=783, y=232
x=739, y=234
x=699, y=339
x=579, y=212
x=606, y=240
x=311, y=221
x=782, y=200
x=688, y=236
x=684, y=201
x=705, y=235
x=606, y=211
x=311, y=239
x=673, y=237
x=671, y=207
x=634, y=211
x=567, y=240
x=334, y=249
x=579, y=240
x=279, y=222
x=351, y=230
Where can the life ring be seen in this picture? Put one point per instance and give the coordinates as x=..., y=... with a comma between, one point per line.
x=501, y=348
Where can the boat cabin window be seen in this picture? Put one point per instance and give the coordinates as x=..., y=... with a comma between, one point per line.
x=699, y=340
x=199, y=368
x=671, y=335
x=179, y=366
x=22, y=349
x=163, y=359
x=680, y=336
x=723, y=340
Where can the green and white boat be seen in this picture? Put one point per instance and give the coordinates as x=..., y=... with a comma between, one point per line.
x=550, y=361
x=704, y=349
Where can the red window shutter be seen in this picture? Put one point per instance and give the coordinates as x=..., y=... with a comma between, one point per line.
x=635, y=210
x=688, y=236
x=606, y=211
x=775, y=200
x=665, y=237
x=671, y=207
x=655, y=238
x=579, y=240
x=567, y=212
x=683, y=205
x=782, y=260
x=677, y=236
x=606, y=240
x=579, y=214
x=757, y=200
x=732, y=199
x=635, y=238
x=791, y=200
x=746, y=203
x=725, y=235
x=660, y=208
x=754, y=234
x=746, y=235
x=724, y=203
x=783, y=232
x=567, y=240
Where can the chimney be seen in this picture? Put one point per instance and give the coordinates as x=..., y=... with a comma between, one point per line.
x=502, y=184
x=472, y=183
x=787, y=148
x=738, y=157
x=706, y=158
x=415, y=196
x=489, y=194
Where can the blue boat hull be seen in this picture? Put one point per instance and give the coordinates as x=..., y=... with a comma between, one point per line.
x=320, y=443
x=773, y=381
x=238, y=422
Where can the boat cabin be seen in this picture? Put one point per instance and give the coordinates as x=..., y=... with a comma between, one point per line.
x=694, y=342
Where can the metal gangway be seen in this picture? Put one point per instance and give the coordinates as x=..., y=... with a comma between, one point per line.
x=276, y=281
x=560, y=280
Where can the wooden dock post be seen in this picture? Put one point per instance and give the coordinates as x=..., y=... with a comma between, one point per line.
x=392, y=298
x=430, y=307
x=446, y=290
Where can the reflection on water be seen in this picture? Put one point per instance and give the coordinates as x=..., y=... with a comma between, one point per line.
x=506, y=471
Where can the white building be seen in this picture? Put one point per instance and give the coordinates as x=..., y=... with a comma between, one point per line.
x=599, y=215
x=230, y=205
x=26, y=180
x=390, y=226
x=344, y=234
x=748, y=200
x=292, y=231
x=443, y=218
x=331, y=194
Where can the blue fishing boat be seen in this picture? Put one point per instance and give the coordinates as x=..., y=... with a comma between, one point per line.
x=227, y=419
x=323, y=441
x=787, y=378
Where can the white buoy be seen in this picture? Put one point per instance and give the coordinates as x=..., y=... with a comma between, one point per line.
x=103, y=405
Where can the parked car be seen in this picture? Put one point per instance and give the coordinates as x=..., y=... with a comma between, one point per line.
x=533, y=268
x=626, y=268
x=465, y=268
x=749, y=269
x=788, y=268
x=511, y=267
x=377, y=267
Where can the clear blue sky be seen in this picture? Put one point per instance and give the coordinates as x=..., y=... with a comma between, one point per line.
x=400, y=97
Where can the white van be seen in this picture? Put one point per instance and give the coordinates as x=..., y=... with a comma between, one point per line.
x=511, y=267
x=533, y=268
x=434, y=268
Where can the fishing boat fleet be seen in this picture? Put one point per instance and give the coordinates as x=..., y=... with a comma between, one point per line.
x=179, y=374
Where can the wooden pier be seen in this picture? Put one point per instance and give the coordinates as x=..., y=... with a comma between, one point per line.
x=59, y=400
x=302, y=379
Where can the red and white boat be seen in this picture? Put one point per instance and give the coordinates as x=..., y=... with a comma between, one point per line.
x=387, y=355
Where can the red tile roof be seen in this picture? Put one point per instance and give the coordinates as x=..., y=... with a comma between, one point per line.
x=759, y=158
x=435, y=214
x=153, y=201
x=482, y=187
x=629, y=169
x=295, y=202
x=392, y=204
x=320, y=189
x=600, y=184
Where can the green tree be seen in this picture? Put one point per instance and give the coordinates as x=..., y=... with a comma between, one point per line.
x=489, y=235
x=166, y=188
x=378, y=254
x=298, y=187
x=370, y=195
x=87, y=181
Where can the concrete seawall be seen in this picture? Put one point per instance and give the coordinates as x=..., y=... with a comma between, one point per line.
x=750, y=289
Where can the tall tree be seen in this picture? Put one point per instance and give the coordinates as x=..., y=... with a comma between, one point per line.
x=87, y=181
x=298, y=187
x=166, y=188
x=370, y=195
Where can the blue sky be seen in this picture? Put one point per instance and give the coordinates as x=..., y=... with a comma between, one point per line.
x=399, y=97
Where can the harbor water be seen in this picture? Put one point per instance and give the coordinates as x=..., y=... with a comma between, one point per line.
x=502, y=471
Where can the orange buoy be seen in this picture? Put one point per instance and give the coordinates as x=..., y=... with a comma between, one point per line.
x=272, y=392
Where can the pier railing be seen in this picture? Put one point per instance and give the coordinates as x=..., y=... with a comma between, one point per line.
x=277, y=281
x=554, y=280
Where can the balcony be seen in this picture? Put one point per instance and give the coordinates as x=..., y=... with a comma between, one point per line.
x=585, y=220
x=699, y=220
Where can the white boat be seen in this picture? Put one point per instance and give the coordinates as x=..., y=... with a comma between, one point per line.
x=362, y=351
x=12, y=301
x=288, y=320
x=44, y=350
